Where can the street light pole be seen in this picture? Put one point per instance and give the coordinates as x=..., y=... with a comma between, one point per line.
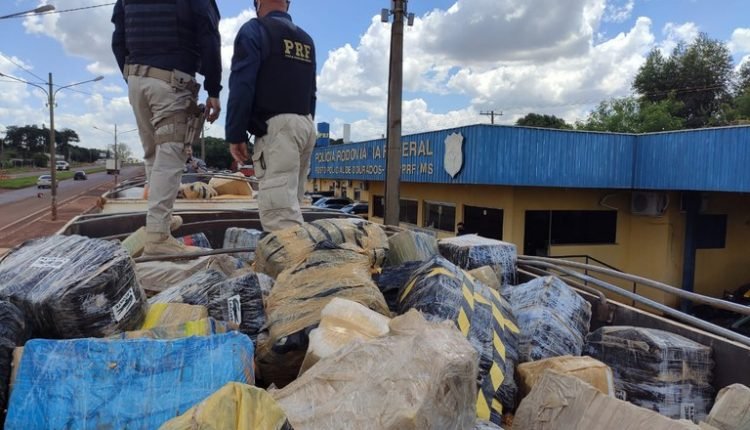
x=52, y=159
x=40, y=9
x=51, y=102
x=117, y=166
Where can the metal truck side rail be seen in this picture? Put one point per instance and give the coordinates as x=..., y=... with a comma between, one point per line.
x=695, y=297
x=539, y=262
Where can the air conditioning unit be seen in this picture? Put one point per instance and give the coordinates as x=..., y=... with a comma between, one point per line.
x=648, y=203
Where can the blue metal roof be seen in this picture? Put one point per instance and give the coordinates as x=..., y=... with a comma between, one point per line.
x=707, y=159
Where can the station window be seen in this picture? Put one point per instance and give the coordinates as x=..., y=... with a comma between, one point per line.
x=711, y=232
x=408, y=211
x=583, y=227
x=440, y=216
x=357, y=195
x=378, y=206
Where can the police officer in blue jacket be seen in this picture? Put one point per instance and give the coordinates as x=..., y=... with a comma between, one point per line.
x=272, y=96
x=160, y=45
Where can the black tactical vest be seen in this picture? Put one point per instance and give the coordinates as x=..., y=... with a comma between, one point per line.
x=159, y=27
x=286, y=78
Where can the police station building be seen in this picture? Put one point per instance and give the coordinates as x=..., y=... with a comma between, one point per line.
x=631, y=202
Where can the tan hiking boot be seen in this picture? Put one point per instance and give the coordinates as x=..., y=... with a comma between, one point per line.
x=175, y=222
x=165, y=244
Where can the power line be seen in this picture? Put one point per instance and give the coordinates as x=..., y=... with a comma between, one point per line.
x=23, y=68
x=65, y=10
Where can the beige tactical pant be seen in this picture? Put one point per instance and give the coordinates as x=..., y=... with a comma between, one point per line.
x=281, y=160
x=154, y=100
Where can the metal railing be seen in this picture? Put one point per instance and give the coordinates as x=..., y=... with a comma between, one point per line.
x=588, y=259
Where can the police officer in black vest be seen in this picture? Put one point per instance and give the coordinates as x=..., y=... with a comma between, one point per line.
x=272, y=96
x=160, y=45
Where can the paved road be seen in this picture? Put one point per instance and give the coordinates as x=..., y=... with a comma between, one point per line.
x=17, y=204
x=38, y=172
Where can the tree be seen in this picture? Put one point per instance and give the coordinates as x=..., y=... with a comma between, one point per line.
x=543, y=121
x=698, y=75
x=628, y=115
x=63, y=139
x=217, y=154
x=123, y=152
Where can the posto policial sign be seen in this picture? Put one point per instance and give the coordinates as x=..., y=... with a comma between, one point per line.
x=423, y=159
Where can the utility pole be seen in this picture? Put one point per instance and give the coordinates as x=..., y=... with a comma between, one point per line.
x=52, y=158
x=491, y=114
x=395, y=90
x=117, y=167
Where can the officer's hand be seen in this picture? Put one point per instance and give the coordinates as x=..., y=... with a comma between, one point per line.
x=239, y=152
x=213, y=107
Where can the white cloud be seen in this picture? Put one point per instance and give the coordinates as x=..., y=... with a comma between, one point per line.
x=740, y=42
x=618, y=10
x=674, y=34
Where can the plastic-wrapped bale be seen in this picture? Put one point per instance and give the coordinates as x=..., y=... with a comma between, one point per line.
x=236, y=300
x=73, y=286
x=587, y=369
x=472, y=251
x=487, y=276
x=553, y=318
x=732, y=408
x=236, y=237
x=565, y=402
x=195, y=285
x=656, y=369
x=234, y=407
x=160, y=314
x=122, y=384
x=392, y=279
x=198, y=239
x=157, y=276
x=286, y=248
x=486, y=425
x=202, y=327
x=443, y=291
x=422, y=375
x=409, y=246
x=293, y=308
x=13, y=333
x=342, y=322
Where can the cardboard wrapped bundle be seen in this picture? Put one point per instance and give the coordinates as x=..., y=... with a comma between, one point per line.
x=284, y=249
x=553, y=318
x=565, y=402
x=201, y=327
x=236, y=237
x=443, y=291
x=294, y=306
x=161, y=314
x=471, y=251
x=392, y=279
x=73, y=287
x=585, y=368
x=157, y=276
x=407, y=246
x=656, y=369
x=732, y=408
x=421, y=375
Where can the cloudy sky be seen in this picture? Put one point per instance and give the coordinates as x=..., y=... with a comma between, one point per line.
x=462, y=57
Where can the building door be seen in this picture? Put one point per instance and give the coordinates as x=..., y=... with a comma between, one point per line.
x=536, y=233
x=486, y=222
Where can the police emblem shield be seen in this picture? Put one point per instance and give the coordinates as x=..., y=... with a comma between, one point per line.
x=454, y=157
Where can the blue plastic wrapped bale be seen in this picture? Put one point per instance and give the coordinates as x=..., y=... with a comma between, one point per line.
x=73, y=287
x=392, y=279
x=122, y=384
x=284, y=249
x=656, y=369
x=407, y=246
x=236, y=300
x=237, y=237
x=471, y=252
x=554, y=320
x=197, y=239
x=443, y=291
x=294, y=306
x=13, y=333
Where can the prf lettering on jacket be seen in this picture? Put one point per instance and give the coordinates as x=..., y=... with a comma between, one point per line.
x=297, y=50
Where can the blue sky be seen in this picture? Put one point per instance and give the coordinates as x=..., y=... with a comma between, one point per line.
x=557, y=57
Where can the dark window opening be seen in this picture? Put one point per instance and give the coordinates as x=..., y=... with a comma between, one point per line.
x=408, y=211
x=545, y=228
x=357, y=194
x=440, y=216
x=711, y=232
x=378, y=206
x=486, y=222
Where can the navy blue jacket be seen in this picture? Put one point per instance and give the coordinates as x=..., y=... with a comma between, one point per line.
x=199, y=34
x=251, y=49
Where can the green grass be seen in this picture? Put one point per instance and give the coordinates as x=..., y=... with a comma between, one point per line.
x=30, y=181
